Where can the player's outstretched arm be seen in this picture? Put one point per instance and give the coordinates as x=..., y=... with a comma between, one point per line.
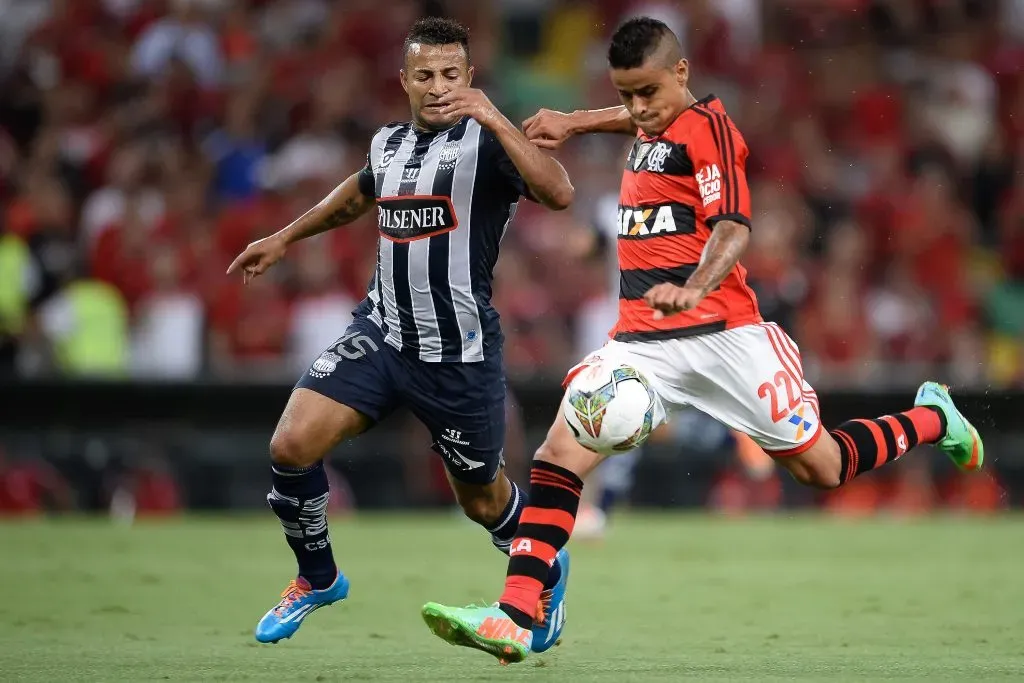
x=343, y=205
x=547, y=180
x=548, y=129
x=727, y=243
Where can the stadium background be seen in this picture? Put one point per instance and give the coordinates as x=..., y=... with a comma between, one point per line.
x=143, y=143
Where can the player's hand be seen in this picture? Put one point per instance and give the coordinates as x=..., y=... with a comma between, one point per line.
x=257, y=257
x=548, y=129
x=667, y=299
x=470, y=102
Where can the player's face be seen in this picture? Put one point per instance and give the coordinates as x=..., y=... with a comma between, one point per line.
x=653, y=94
x=431, y=71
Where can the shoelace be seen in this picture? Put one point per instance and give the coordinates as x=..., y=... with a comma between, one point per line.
x=542, y=605
x=290, y=594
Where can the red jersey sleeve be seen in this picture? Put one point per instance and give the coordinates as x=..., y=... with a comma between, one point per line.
x=719, y=156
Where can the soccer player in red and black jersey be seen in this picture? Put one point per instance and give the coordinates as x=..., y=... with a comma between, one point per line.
x=689, y=323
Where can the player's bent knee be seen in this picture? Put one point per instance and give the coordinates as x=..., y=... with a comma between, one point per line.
x=310, y=426
x=818, y=467
x=288, y=448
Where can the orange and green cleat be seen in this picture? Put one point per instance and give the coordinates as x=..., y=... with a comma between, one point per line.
x=483, y=628
x=961, y=442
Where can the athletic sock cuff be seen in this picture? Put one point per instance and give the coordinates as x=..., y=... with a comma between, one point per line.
x=544, y=472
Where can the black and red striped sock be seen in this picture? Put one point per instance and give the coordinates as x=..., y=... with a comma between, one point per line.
x=544, y=529
x=865, y=445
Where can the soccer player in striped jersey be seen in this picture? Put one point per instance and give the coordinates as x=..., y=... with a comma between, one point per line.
x=445, y=186
x=689, y=322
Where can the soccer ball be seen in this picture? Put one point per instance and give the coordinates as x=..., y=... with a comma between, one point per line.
x=609, y=407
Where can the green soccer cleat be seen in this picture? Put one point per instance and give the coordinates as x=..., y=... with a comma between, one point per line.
x=961, y=443
x=483, y=628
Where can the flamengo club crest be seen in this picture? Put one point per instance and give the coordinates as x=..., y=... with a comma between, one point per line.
x=656, y=159
x=653, y=157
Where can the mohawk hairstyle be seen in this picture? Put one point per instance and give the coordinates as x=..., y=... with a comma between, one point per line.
x=438, y=31
x=636, y=40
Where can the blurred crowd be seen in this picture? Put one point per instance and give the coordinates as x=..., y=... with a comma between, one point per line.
x=143, y=143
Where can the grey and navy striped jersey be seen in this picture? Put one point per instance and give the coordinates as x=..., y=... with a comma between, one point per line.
x=444, y=201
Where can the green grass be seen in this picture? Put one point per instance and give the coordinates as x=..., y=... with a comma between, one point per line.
x=666, y=598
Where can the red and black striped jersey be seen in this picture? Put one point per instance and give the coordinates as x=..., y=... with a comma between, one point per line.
x=676, y=186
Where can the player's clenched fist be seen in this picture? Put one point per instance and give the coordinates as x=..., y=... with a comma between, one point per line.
x=470, y=102
x=667, y=299
x=548, y=129
x=257, y=257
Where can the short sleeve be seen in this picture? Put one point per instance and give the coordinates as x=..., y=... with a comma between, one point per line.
x=508, y=174
x=367, y=180
x=720, y=167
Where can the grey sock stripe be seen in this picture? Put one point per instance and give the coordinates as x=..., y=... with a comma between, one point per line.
x=511, y=513
x=278, y=496
x=313, y=516
x=293, y=471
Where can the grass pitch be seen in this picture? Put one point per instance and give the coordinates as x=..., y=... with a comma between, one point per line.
x=665, y=598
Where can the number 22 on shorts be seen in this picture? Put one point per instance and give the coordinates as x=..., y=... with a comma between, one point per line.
x=770, y=390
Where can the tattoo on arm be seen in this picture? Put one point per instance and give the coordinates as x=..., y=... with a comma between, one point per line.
x=350, y=210
x=727, y=243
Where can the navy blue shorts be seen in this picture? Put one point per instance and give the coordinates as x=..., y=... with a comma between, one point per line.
x=463, y=404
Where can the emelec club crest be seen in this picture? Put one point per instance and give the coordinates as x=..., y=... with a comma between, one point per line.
x=449, y=155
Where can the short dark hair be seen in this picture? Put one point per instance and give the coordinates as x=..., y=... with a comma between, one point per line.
x=438, y=31
x=636, y=40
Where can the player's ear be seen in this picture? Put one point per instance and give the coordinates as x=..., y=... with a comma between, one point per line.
x=469, y=75
x=682, y=72
x=401, y=77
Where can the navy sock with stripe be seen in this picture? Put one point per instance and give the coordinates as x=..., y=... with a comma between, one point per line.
x=299, y=499
x=504, y=530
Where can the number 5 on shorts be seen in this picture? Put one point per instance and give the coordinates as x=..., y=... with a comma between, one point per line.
x=771, y=391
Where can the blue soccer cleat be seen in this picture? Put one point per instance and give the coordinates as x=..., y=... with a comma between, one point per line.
x=298, y=601
x=546, y=633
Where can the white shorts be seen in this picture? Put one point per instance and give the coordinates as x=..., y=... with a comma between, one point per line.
x=749, y=378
